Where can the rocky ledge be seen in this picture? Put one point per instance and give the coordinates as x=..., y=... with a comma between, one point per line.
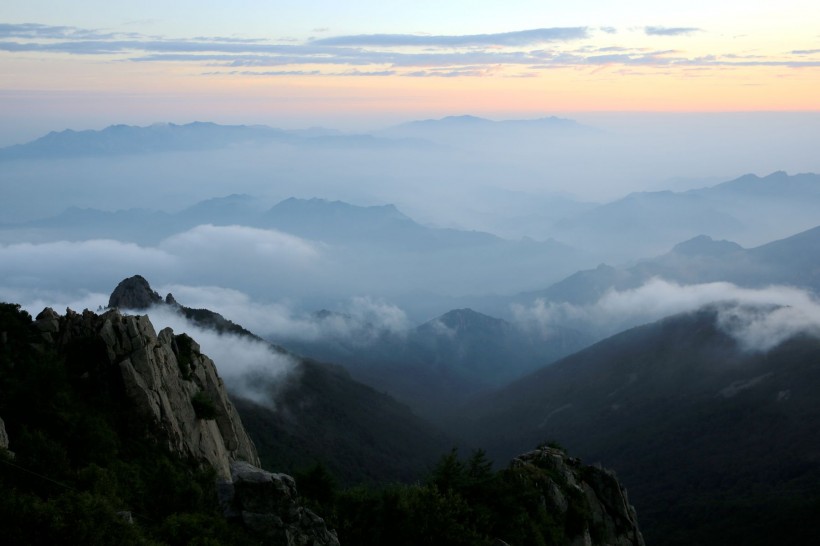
x=589, y=495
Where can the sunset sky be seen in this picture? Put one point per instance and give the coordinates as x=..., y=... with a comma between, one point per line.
x=365, y=63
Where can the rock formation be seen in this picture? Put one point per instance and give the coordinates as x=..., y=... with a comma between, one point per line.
x=589, y=495
x=267, y=504
x=167, y=380
x=176, y=389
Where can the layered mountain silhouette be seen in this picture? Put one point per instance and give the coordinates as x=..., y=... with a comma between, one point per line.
x=170, y=137
x=793, y=261
x=750, y=208
x=472, y=131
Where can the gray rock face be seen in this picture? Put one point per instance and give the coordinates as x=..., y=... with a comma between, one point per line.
x=133, y=293
x=573, y=489
x=268, y=506
x=168, y=381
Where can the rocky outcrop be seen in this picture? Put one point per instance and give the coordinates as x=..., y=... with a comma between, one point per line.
x=164, y=377
x=134, y=293
x=268, y=506
x=589, y=498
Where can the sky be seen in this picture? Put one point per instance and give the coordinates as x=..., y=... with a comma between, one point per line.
x=88, y=64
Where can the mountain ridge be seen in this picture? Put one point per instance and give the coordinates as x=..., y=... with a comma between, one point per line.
x=694, y=423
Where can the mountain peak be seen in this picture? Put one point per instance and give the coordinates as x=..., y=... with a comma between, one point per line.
x=703, y=245
x=133, y=293
x=462, y=319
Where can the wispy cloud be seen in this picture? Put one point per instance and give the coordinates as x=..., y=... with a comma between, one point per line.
x=670, y=31
x=34, y=30
x=758, y=318
x=411, y=55
x=516, y=39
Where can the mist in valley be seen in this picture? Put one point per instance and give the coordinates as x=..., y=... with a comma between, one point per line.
x=483, y=210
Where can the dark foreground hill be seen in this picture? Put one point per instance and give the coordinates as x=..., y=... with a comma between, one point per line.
x=113, y=434
x=717, y=444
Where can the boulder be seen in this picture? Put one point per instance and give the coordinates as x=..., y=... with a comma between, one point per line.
x=268, y=506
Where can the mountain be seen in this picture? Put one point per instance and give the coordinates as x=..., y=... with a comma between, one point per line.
x=439, y=364
x=380, y=243
x=642, y=224
x=233, y=209
x=317, y=413
x=471, y=131
x=116, y=140
x=129, y=139
x=793, y=261
x=717, y=443
x=375, y=250
x=340, y=222
x=749, y=209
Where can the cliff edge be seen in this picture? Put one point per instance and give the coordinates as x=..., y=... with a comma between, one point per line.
x=167, y=380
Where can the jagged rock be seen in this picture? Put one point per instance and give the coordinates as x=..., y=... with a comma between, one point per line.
x=268, y=506
x=133, y=293
x=170, y=300
x=163, y=376
x=594, y=492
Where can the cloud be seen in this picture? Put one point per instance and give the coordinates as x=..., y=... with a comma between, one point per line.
x=262, y=261
x=470, y=73
x=238, y=244
x=379, y=312
x=360, y=319
x=35, y=300
x=758, y=318
x=68, y=264
x=670, y=31
x=35, y=30
x=251, y=369
x=384, y=54
x=510, y=39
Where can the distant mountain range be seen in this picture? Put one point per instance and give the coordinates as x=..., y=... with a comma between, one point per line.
x=793, y=261
x=170, y=137
x=749, y=209
x=471, y=130
x=202, y=136
x=716, y=444
x=378, y=242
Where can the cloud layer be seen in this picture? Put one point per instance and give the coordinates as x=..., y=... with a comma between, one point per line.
x=758, y=318
x=387, y=54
